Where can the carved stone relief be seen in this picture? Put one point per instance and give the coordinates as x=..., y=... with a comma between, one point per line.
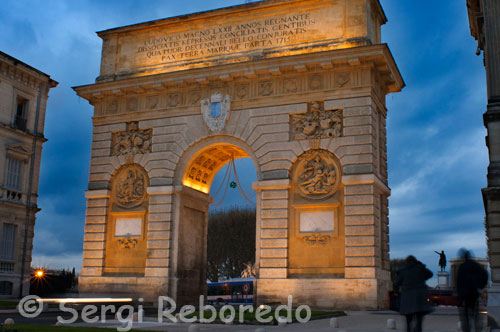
x=112, y=107
x=316, y=239
x=242, y=90
x=315, y=82
x=129, y=186
x=132, y=104
x=290, y=85
x=215, y=111
x=316, y=174
x=131, y=141
x=152, y=102
x=265, y=88
x=194, y=97
x=173, y=99
x=341, y=79
x=127, y=243
x=316, y=123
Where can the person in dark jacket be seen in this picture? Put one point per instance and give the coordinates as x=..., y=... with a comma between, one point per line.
x=471, y=277
x=414, y=305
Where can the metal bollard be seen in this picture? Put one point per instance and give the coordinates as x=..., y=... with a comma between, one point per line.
x=334, y=323
x=391, y=324
x=9, y=321
x=193, y=328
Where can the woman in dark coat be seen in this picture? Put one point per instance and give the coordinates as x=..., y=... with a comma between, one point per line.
x=414, y=305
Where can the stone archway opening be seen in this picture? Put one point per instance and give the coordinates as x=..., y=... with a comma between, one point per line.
x=208, y=178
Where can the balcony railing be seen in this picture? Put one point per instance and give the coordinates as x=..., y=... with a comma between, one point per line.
x=11, y=194
x=7, y=266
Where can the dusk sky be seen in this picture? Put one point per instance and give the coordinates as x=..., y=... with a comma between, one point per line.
x=436, y=151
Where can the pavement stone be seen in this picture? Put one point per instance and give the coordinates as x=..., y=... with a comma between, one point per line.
x=444, y=319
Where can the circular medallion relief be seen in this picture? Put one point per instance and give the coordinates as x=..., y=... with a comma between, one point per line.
x=316, y=174
x=129, y=186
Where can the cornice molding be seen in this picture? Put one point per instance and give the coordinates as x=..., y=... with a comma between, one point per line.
x=375, y=56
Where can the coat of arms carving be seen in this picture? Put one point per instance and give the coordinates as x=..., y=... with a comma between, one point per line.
x=215, y=111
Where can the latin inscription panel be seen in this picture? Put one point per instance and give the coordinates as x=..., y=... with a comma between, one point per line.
x=286, y=28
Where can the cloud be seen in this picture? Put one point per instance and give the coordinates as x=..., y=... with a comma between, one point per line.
x=436, y=153
x=62, y=261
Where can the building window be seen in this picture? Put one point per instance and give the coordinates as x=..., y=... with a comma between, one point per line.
x=21, y=113
x=14, y=169
x=8, y=242
x=5, y=288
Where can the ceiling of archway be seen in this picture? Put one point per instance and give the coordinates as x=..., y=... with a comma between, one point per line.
x=205, y=165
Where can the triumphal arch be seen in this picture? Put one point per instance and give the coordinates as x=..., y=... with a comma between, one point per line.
x=297, y=86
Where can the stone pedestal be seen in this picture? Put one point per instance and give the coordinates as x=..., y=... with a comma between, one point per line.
x=443, y=279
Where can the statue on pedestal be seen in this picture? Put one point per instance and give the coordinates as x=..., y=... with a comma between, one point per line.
x=442, y=260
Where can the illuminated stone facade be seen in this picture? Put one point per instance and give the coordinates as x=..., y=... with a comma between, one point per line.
x=23, y=99
x=485, y=28
x=297, y=86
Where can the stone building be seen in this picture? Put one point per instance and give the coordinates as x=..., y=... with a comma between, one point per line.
x=455, y=264
x=297, y=86
x=23, y=99
x=485, y=28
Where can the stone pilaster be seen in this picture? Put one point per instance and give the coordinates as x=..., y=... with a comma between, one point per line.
x=155, y=281
x=95, y=235
x=366, y=231
x=272, y=228
x=159, y=231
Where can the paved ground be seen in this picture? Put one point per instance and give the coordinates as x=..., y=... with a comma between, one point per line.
x=443, y=319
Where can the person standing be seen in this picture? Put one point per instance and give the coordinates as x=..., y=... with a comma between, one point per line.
x=471, y=277
x=414, y=305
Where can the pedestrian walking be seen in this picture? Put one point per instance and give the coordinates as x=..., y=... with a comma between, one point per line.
x=414, y=294
x=471, y=277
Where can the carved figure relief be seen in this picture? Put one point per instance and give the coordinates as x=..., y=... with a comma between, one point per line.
x=341, y=79
x=129, y=186
x=132, y=104
x=265, y=88
x=194, y=97
x=112, y=107
x=152, y=101
x=131, y=141
x=316, y=123
x=173, y=99
x=242, y=90
x=215, y=111
x=316, y=174
x=127, y=243
x=316, y=239
x=315, y=82
x=290, y=85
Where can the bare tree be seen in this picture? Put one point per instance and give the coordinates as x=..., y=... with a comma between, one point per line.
x=231, y=242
